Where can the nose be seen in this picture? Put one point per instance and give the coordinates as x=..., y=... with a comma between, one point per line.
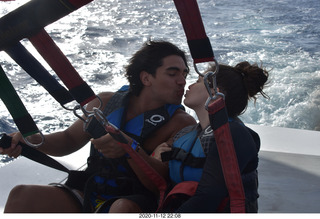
x=181, y=80
x=190, y=86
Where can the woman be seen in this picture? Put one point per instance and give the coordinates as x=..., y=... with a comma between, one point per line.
x=239, y=84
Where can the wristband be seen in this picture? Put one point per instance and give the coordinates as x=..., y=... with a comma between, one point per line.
x=135, y=146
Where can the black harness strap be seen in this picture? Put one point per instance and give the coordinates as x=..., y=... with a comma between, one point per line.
x=31, y=17
x=185, y=157
x=33, y=154
x=18, y=111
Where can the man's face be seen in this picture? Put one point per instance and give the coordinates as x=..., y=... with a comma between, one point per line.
x=169, y=81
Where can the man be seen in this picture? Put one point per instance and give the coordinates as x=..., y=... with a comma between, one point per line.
x=149, y=112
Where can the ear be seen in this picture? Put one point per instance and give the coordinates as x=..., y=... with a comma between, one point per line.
x=145, y=78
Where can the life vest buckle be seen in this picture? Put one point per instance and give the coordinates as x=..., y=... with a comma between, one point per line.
x=181, y=155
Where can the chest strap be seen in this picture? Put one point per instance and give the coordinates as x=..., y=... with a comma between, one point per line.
x=185, y=157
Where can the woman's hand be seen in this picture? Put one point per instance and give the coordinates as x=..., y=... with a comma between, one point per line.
x=160, y=149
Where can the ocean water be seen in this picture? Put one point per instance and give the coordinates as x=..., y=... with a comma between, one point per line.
x=99, y=38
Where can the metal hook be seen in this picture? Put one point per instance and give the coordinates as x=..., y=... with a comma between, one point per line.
x=87, y=112
x=100, y=116
x=103, y=119
x=83, y=108
x=35, y=145
x=77, y=107
x=66, y=108
x=87, y=122
x=202, y=75
x=210, y=77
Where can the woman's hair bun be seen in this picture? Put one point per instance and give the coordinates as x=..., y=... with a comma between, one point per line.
x=254, y=78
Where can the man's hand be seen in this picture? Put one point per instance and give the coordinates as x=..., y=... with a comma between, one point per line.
x=109, y=146
x=15, y=149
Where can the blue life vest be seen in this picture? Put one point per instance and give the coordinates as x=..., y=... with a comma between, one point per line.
x=188, y=154
x=113, y=177
x=187, y=159
x=189, y=151
x=140, y=127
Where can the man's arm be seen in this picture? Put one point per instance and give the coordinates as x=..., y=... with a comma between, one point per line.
x=60, y=143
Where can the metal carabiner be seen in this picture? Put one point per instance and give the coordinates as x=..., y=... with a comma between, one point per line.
x=202, y=75
x=87, y=121
x=87, y=112
x=34, y=145
x=82, y=108
x=77, y=107
x=100, y=116
x=102, y=119
x=66, y=108
x=210, y=78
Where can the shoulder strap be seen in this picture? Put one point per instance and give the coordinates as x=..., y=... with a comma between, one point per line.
x=201, y=51
x=33, y=16
x=198, y=42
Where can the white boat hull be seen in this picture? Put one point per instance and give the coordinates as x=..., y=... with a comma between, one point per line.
x=289, y=171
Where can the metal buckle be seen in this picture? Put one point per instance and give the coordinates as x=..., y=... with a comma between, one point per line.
x=86, y=112
x=215, y=88
x=208, y=78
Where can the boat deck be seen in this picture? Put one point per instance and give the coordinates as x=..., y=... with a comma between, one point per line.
x=289, y=171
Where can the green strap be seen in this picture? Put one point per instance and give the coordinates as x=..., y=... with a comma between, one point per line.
x=19, y=113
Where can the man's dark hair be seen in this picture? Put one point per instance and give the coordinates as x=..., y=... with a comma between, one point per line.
x=149, y=58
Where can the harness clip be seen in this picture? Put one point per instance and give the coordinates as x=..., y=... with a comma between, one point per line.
x=210, y=82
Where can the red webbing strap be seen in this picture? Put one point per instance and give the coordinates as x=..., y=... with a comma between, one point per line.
x=152, y=174
x=186, y=188
x=199, y=43
x=61, y=65
x=228, y=158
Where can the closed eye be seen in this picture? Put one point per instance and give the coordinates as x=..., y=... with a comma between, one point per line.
x=172, y=71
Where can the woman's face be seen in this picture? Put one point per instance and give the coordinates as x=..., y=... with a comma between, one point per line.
x=196, y=95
